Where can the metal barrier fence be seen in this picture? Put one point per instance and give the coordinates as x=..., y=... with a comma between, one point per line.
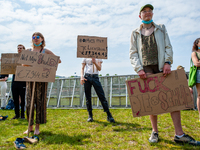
x=69, y=93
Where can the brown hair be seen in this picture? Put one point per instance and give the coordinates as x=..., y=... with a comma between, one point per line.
x=21, y=45
x=195, y=47
x=39, y=34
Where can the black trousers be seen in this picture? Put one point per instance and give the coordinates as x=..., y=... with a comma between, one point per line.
x=19, y=89
x=93, y=80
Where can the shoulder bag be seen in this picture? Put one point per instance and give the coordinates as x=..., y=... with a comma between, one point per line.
x=192, y=75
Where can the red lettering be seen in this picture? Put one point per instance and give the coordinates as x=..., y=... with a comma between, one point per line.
x=131, y=88
x=145, y=87
x=159, y=84
x=148, y=80
x=163, y=98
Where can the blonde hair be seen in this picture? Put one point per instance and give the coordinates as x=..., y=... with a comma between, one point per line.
x=39, y=34
x=180, y=67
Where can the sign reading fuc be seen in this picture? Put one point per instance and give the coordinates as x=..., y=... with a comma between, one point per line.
x=158, y=94
x=92, y=47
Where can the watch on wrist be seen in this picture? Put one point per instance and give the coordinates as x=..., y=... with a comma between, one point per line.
x=168, y=62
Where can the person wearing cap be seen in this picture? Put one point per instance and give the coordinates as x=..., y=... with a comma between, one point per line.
x=151, y=53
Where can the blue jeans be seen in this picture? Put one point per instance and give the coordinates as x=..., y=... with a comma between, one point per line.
x=93, y=80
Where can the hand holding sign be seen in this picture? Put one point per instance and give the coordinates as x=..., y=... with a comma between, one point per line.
x=43, y=70
x=158, y=94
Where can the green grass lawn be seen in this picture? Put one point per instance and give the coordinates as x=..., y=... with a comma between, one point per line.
x=68, y=129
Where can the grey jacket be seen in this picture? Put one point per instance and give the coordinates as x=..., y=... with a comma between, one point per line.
x=165, y=52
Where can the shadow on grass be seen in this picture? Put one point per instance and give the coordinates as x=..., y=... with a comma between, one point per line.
x=51, y=138
x=126, y=126
x=182, y=146
x=117, y=123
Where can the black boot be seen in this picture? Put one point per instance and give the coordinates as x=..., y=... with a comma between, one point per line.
x=110, y=118
x=90, y=118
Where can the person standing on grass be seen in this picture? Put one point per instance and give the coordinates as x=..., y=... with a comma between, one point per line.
x=91, y=78
x=18, y=91
x=151, y=53
x=3, y=85
x=195, y=59
x=40, y=88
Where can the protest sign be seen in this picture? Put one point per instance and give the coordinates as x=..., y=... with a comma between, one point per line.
x=158, y=94
x=38, y=59
x=37, y=74
x=9, y=63
x=92, y=47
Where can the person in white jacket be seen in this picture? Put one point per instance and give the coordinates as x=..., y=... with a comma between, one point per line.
x=151, y=53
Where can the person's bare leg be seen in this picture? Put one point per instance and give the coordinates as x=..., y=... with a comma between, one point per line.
x=176, y=118
x=37, y=132
x=30, y=130
x=154, y=119
x=198, y=97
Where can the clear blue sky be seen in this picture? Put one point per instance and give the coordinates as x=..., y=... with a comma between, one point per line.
x=61, y=21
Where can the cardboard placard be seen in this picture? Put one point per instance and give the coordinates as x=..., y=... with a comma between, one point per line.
x=38, y=59
x=37, y=74
x=9, y=63
x=158, y=94
x=92, y=47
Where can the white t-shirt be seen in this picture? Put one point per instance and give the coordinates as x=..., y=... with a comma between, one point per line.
x=89, y=65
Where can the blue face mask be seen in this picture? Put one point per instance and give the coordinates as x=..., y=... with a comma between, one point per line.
x=198, y=47
x=147, y=22
x=38, y=44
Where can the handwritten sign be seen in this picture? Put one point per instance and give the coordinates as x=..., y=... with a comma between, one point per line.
x=92, y=47
x=38, y=59
x=9, y=63
x=38, y=74
x=158, y=94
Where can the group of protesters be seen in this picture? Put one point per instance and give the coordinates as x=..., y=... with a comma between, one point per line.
x=150, y=53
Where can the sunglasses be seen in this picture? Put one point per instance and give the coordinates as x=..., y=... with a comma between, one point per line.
x=34, y=37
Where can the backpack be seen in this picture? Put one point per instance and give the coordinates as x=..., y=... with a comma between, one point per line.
x=10, y=104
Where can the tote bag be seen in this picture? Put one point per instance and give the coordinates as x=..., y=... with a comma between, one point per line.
x=192, y=75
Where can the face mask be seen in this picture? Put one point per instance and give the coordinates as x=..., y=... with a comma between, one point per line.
x=38, y=44
x=147, y=22
x=198, y=47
